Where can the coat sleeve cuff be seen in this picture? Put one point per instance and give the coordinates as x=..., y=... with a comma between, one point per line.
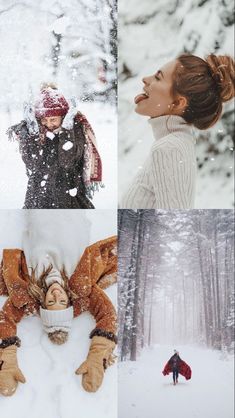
x=6, y=342
x=102, y=333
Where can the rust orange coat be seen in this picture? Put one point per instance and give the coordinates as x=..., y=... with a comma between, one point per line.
x=95, y=271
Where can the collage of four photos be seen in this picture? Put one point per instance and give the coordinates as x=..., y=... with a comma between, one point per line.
x=117, y=209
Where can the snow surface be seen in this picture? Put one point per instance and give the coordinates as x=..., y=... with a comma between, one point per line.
x=144, y=391
x=148, y=38
x=52, y=388
x=13, y=179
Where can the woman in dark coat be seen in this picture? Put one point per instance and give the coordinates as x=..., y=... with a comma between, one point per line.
x=177, y=366
x=62, y=163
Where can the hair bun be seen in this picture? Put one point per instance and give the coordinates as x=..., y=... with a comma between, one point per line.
x=223, y=71
x=45, y=86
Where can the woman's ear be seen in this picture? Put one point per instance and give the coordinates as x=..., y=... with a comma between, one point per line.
x=179, y=105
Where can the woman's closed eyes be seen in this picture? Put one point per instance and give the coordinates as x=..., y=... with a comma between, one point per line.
x=159, y=73
x=52, y=302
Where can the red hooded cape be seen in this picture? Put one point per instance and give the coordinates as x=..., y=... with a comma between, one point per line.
x=184, y=369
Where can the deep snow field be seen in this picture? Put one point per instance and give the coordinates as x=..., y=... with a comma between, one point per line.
x=52, y=389
x=13, y=179
x=143, y=391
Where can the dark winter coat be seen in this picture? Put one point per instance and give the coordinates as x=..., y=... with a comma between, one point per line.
x=182, y=367
x=54, y=173
x=175, y=362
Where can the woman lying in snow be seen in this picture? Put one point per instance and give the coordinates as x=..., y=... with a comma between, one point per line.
x=188, y=91
x=58, y=300
x=176, y=366
x=58, y=147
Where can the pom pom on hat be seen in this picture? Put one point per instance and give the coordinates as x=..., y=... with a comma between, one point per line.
x=50, y=102
x=60, y=320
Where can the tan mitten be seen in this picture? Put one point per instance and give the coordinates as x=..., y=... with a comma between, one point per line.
x=99, y=358
x=10, y=374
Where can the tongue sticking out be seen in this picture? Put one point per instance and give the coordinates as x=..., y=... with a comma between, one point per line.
x=140, y=97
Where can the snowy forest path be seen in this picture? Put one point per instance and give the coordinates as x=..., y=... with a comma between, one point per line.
x=145, y=392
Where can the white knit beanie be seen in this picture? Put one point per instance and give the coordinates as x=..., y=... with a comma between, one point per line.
x=60, y=320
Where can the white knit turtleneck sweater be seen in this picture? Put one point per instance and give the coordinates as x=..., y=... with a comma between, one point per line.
x=167, y=178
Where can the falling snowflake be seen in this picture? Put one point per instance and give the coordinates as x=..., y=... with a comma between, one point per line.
x=50, y=135
x=73, y=192
x=68, y=145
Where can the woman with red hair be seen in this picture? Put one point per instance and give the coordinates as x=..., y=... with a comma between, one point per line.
x=186, y=92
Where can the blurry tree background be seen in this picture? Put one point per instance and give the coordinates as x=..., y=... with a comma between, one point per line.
x=70, y=42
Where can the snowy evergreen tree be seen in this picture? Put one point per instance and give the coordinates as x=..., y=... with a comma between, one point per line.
x=70, y=42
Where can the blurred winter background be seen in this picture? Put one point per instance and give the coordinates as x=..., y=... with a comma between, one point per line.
x=72, y=43
x=150, y=34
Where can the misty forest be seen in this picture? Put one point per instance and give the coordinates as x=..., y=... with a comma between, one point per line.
x=176, y=281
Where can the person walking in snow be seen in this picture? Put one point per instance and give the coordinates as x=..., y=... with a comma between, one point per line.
x=58, y=147
x=175, y=362
x=58, y=300
x=176, y=365
x=186, y=92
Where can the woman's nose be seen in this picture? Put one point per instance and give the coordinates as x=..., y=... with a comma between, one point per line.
x=146, y=80
x=56, y=293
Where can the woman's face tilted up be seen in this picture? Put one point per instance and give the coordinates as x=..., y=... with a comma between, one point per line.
x=56, y=297
x=156, y=99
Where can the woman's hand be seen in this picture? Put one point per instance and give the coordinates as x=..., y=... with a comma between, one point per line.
x=10, y=374
x=99, y=357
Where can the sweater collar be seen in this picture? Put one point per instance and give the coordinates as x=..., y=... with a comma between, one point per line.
x=164, y=125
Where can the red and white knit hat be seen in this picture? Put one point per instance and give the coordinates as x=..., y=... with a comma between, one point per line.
x=50, y=102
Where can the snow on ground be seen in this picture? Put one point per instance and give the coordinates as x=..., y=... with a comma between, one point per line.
x=145, y=392
x=52, y=388
x=13, y=179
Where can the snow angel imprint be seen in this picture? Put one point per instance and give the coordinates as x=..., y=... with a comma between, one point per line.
x=186, y=92
x=58, y=300
x=58, y=147
x=177, y=366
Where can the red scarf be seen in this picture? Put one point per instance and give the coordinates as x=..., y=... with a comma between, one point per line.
x=92, y=160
